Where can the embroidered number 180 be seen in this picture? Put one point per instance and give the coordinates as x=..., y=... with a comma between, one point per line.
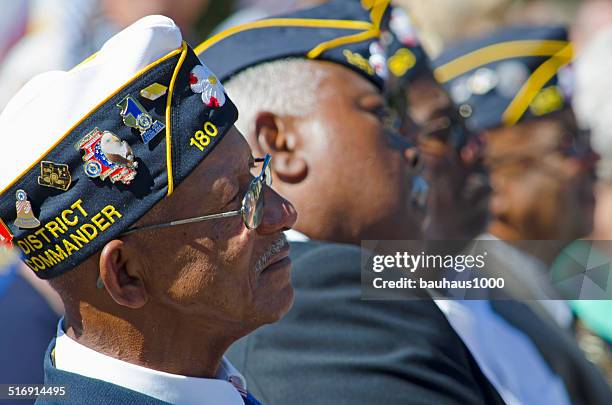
x=201, y=139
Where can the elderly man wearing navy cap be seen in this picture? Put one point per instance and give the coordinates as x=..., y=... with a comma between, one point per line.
x=310, y=89
x=126, y=185
x=514, y=88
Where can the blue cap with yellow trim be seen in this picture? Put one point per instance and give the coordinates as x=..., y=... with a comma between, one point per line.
x=512, y=74
x=346, y=32
x=86, y=153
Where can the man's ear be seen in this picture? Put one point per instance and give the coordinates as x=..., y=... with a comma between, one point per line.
x=121, y=276
x=276, y=135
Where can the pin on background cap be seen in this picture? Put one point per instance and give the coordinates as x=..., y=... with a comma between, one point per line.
x=511, y=74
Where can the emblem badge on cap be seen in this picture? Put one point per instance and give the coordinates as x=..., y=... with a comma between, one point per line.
x=512, y=75
x=378, y=59
x=25, y=215
x=402, y=27
x=107, y=156
x=6, y=237
x=359, y=61
x=203, y=81
x=402, y=61
x=460, y=90
x=154, y=91
x=483, y=81
x=135, y=116
x=54, y=175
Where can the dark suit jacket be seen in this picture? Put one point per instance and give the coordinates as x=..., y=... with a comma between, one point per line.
x=84, y=390
x=583, y=381
x=334, y=348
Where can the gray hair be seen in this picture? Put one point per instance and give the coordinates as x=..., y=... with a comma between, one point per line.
x=592, y=102
x=286, y=87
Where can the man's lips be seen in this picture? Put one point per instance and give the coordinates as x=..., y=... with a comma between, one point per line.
x=280, y=256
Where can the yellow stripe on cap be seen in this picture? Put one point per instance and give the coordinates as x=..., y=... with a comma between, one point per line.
x=283, y=22
x=378, y=8
x=168, y=123
x=86, y=60
x=336, y=42
x=376, y=14
x=534, y=84
x=497, y=52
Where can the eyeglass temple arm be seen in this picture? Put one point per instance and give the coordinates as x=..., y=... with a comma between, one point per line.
x=184, y=221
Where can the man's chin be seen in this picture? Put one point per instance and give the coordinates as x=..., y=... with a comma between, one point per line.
x=271, y=309
x=286, y=303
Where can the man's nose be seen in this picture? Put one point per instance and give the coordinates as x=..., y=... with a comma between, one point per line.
x=279, y=214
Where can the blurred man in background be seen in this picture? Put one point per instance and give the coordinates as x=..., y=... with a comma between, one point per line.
x=541, y=170
x=452, y=191
x=592, y=36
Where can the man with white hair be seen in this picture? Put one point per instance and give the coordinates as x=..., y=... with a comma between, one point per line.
x=311, y=85
x=161, y=244
x=593, y=33
x=592, y=36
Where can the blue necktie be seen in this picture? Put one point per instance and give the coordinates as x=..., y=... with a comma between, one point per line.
x=246, y=396
x=249, y=399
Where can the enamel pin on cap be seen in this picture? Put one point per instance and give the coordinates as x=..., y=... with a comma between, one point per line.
x=25, y=215
x=154, y=91
x=135, y=116
x=54, y=175
x=203, y=81
x=107, y=156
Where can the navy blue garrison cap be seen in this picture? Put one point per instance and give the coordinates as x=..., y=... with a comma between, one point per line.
x=512, y=74
x=86, y=153
x=347, y=32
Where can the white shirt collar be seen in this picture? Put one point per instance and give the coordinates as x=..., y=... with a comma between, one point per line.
x=75, y=358
x=534, y=276
x=296, y=236
x=520, y=375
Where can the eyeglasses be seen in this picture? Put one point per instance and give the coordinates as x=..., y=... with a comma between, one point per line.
x=251, y=210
